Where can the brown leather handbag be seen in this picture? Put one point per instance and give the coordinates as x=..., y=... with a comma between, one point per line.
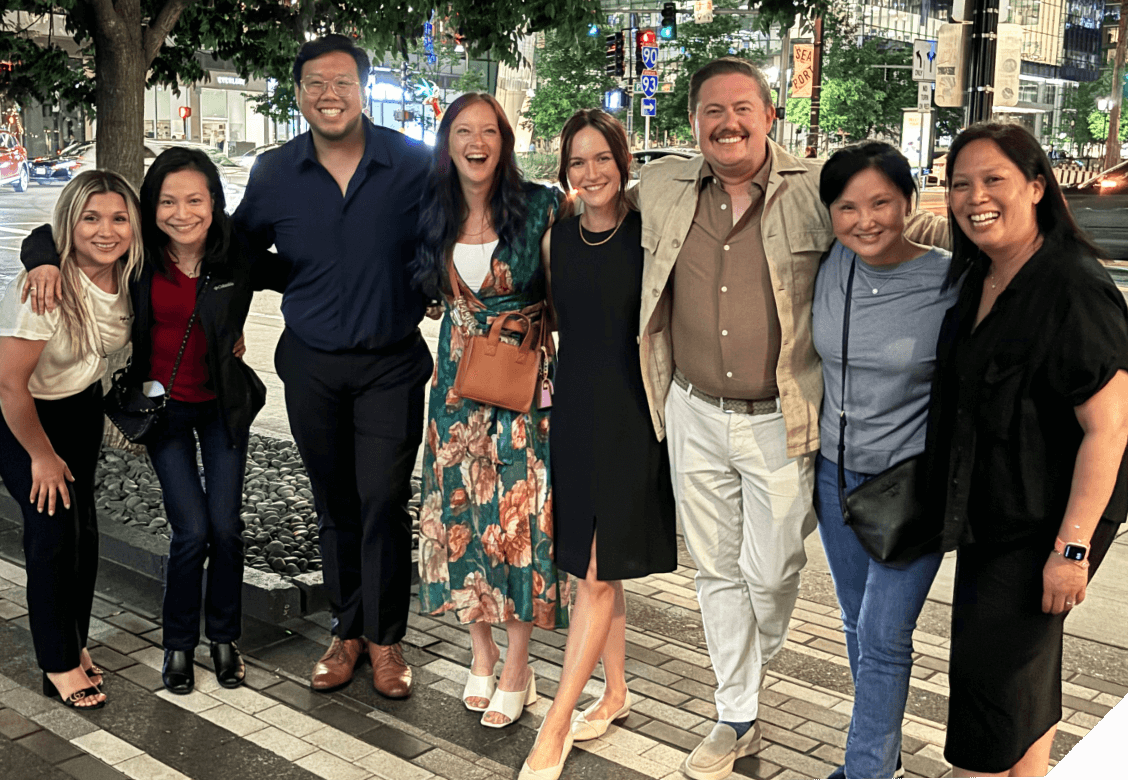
x=494, y=372
x=499, y=374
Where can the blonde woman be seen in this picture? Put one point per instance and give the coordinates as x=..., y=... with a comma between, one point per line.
x=51, y=398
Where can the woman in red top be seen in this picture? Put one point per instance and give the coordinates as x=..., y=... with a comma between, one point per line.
x=193, y=263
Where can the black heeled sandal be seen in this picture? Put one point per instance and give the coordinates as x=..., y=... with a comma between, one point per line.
x=51, y=692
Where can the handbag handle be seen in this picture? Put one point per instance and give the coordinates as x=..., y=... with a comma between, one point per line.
x=842, y=400
x=494, y=338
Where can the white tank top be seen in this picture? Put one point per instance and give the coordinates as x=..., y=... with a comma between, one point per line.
x=472, y=261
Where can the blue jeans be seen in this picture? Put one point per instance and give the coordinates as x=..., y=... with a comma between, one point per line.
x=205, y=523
x=880, y=605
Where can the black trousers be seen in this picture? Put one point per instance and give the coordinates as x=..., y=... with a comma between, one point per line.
x=357, y=418
x=61, y=551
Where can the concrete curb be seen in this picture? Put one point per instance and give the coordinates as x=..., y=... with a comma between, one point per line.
x=269, y=597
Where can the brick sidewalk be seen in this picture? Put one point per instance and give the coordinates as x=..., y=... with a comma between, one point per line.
x=276, y=727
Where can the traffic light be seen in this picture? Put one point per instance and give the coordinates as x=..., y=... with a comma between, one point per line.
x=643, y=38
x=669, y=29
x=616, y=55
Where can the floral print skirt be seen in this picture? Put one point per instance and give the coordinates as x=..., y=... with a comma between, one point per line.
x=485, y=546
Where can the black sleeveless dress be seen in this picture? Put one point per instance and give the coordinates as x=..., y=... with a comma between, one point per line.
x=609, y=471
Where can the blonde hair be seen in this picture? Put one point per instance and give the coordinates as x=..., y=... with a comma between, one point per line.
x=76, y=317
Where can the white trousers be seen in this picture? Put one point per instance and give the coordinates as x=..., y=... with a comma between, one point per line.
x=745, y=508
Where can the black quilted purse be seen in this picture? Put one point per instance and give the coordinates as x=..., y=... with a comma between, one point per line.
x=139, y=417
x=887, y=512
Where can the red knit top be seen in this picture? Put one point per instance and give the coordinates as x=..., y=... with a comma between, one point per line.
x=173, y=298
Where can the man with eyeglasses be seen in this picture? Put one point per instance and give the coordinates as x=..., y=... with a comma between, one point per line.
x=340, y=203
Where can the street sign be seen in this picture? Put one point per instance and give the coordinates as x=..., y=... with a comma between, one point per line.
x=649, y=106
x=648, y=82
x=924, y=96
x=649, y=57
x=924, y=60
x=1008, y=63
x=950, y=50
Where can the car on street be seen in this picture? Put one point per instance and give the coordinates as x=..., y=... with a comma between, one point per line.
x=233, y=176
x=641, y=157
x=1100, y=206
x=14, y=168
x=247, y=159
x=58, y=168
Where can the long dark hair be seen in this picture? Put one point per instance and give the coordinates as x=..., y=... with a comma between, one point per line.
x=1055, y=222
x=615, y=134
x=172, y=160
x=444, y=208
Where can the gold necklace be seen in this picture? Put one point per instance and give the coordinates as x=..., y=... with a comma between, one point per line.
x=619, y=224
x=991, y=275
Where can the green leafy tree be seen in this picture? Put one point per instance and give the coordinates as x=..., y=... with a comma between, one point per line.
x=570, y=76
x=1080, y=106
x=697, y=44
x=126, y=44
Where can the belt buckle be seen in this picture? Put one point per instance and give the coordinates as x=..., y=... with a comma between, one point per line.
x=724, y=408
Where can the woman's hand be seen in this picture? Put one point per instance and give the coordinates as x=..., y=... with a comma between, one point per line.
x=1063, y=584
x=49, y=474
x=240, y=348
x=45, y=286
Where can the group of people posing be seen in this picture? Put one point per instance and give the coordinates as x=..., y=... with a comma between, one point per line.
x=700, y=376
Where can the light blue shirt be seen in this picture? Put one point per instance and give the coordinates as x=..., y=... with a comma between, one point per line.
x=895, y=318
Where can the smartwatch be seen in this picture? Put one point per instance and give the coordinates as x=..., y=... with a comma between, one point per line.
x=1074, y=551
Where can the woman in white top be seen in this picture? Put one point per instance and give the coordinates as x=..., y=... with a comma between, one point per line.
x=51, y=368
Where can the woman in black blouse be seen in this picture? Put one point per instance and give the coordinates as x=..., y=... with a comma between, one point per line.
x=1029, y=429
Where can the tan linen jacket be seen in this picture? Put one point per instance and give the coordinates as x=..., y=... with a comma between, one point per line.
x=796, y=231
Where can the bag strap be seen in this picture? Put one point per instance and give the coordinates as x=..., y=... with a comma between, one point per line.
x=187, y=333
x=842, y=400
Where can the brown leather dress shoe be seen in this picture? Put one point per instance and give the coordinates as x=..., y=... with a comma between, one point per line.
x=335, y=669
x=391, y=676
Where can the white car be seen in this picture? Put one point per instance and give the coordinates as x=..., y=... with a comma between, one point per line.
x=248, y=159
x=233, y=177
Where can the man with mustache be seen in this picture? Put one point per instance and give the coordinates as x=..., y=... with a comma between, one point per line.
x=733, y=240
x=341, y=202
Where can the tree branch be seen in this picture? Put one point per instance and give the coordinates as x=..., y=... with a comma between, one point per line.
x=109, y=22
x=160, y=27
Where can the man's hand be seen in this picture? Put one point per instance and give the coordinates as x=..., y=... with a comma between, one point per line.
x=45, y=286
x=240, y=347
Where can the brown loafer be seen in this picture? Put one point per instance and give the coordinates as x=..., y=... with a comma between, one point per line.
x=335, y=669
x=391, y=676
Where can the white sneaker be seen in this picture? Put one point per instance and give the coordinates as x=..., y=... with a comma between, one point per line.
x=714, y=757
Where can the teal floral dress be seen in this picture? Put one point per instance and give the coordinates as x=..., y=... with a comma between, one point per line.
x=485, y=528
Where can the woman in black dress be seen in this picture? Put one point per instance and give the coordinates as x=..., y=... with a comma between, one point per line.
x=611, y=475
x=1028, y=425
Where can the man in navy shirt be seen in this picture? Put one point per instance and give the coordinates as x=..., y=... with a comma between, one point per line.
x=340, y=203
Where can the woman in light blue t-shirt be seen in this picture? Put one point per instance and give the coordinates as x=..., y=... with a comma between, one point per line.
x=898, y=301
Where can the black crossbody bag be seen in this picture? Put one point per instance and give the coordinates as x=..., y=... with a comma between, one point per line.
x=136, y=415
x=886, y=513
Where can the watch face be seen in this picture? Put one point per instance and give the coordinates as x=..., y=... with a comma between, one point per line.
x=1074, y=552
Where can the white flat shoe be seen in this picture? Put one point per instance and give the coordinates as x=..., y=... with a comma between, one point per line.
x=549, y=772
x=585, y=728
x=511, y=703
x=478, y=686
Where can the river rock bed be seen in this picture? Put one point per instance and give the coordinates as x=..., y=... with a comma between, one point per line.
x=280, y=533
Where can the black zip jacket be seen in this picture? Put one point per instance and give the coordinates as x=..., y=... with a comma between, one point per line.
x=223, y=305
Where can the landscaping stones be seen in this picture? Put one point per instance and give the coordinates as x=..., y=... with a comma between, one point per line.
x=280, y=523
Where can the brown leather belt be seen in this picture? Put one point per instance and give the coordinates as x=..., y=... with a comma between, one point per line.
x=728, y=405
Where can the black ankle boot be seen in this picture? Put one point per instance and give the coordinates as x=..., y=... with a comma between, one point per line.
x=229, y=667
x=178, y=674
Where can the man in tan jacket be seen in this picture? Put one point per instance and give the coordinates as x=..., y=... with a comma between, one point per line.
x=733, y=378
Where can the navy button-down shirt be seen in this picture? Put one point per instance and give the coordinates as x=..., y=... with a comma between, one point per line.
x=349, y=288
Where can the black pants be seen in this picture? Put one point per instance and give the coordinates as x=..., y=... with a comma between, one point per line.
x=206, y=525
x=61, y=551
x=357, y=418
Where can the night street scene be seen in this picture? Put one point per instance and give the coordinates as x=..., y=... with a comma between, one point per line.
x=494, y=389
